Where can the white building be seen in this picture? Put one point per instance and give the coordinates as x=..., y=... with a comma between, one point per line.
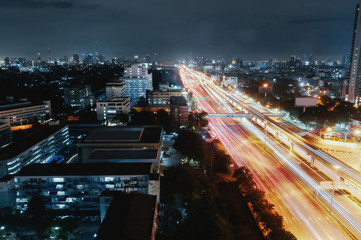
x=18, y=112
x=115, y=90
x=230, y=81
x=109, y=109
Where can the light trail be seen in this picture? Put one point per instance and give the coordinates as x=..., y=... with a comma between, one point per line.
x=305, y=216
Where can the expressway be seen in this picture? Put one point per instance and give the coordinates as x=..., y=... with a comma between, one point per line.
x=280, y=174
x=351, y=179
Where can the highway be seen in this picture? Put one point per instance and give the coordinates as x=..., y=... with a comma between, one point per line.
x=286, y=182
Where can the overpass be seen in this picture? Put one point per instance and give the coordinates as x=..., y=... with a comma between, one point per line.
x=312, y=154
x=229, y=115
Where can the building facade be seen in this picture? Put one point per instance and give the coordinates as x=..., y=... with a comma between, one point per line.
x=230, y=81
x=107, y=110
x=115, y=90
x=75, y=95
x=179, y=110
x=38, y=147
x=78, y=186
x=136, y=88
x=352, y=91
x=161, y=98
x=19, y=112
x=137, y=81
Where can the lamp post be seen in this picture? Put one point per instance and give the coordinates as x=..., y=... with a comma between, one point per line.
x=265, y=86
x=346, y=136
x=265, y=133
x=333, y=185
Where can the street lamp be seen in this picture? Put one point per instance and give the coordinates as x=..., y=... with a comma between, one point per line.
x=265, y=85
x=265, y=133
x=333, y=185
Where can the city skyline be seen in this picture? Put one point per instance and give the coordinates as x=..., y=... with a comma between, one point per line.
x=250, y=30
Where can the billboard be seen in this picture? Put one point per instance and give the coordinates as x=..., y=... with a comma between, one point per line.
x=306, y=102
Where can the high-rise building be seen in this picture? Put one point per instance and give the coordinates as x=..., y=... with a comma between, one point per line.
x=38, y=57
x=352, y=92
x=137, y=80
x=7, y=61
x=75, y=58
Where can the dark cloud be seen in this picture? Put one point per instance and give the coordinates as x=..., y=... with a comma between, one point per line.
x=250, y=29
x=319, y=20
x=35, y=4
x=45, y=4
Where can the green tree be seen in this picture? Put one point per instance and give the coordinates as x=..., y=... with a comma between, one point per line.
x=36, y=206
x=121, y=119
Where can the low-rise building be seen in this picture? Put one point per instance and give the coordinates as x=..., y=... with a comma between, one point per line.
x=77, y=186
x=161, y=98
x=24, y=111
x=107, y=110
x=115, y=90
x=179, y=110
x=125, y=155
x=135, y=137
x=76, y=96
x=230, y=81
x=37, y=147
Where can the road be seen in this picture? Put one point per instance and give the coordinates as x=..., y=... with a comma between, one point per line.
x=305, y=216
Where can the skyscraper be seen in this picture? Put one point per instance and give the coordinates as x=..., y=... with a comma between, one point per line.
x=352, y=91
x=75, y=58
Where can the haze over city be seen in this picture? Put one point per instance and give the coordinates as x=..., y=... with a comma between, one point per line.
x=159, y=120
x=254, y=30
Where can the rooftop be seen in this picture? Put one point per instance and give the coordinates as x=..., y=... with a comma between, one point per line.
x=129, y=216
x=178, y=100
x=133, y=134
x=14, y=105
x=122, y=155
x=27, y=141
x=85, y=169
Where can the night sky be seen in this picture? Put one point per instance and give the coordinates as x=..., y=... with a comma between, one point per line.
x=250, y=29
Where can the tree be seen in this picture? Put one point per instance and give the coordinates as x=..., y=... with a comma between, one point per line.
x=121, y=119
x=143, y=104
x=36, y=206
x=307, y=118
x=143, y=118
x=190, y=144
